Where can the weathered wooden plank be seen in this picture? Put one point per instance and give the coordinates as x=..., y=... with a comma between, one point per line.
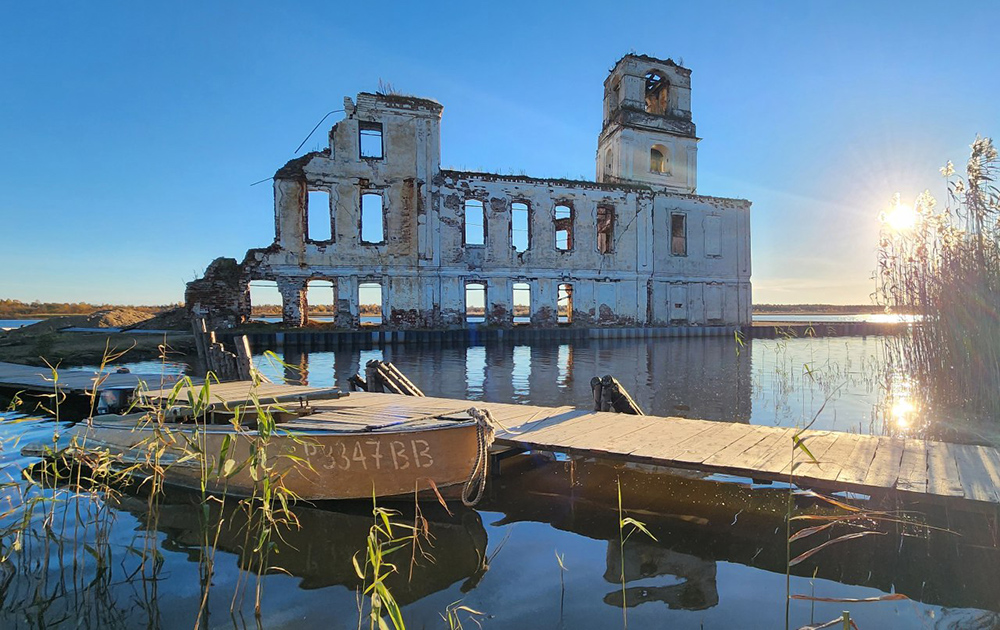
x=831, y=459
x=943, y=477
x=665, y=447
x=855, y=467
x=630, y=436
x=760, y=452
x=751, y=437
x=710, y=442
x=607, y=433
x=977, y=479
x=785, y=455
x=543, y=423
x=884, y=469
x=575, y=425
x=913, y=467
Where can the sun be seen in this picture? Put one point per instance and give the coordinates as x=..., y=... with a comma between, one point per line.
x=901, y=217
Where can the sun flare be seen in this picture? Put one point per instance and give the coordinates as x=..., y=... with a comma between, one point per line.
x=901, y=217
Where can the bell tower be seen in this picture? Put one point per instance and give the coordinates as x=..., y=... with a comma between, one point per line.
x=648, y=136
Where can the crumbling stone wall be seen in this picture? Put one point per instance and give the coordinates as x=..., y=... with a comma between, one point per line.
x=221, y=295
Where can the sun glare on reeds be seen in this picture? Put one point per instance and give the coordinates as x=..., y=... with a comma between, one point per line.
x=900, y=217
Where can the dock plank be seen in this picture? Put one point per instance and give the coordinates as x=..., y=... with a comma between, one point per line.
x=751, y=437
x=666, y=446
x=943, y=477
x=856, y=466
x=913, y=467
x=697, y=451
x=978, y=479
x=831, y=459
x=884, y=469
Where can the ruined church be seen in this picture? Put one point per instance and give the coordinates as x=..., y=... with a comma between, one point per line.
x=410, y=245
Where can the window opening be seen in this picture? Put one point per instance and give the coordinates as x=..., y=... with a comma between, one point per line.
x=520, y=230
x=372, y=219
x=564, y=227
x=475, y=303
x=370, y=304
x=659, y=159
x=564, y=304
x=605, y=229
x=475, y=222
x=265, y=301
x=321, y=301
x=522, y=303
x=607, y=162
x=657, y=89
x=370, y=140
x=320, y=216
x=678, y=235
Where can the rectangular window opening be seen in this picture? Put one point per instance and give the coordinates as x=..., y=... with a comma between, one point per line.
x=678, y=235
x=475, y=223
x=372, y=219
x=520, y=230
x=321, y=300
x=320, y=216
x=522, y=303
x=564, y=227
x=713, y=235
x=370, y=304
x=564, y=304
x=475, y=303
x=370, y=140
x=605, y=229
x=265, y=301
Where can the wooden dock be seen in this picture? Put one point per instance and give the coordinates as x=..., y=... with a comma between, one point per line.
x=872, y=465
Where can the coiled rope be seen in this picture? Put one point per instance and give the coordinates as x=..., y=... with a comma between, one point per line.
x=475, y=485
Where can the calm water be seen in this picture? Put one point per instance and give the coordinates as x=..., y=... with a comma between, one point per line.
x=17, y=323
x=718, y=561
x=772, y=382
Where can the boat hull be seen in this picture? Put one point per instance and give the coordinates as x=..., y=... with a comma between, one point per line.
x=313, y=465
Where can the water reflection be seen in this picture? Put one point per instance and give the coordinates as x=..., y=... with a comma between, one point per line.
x=702, y=378
x=320, y=551
x=699, y=523
x=696, y=590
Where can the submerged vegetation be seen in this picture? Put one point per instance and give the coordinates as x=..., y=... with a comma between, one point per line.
x=943, y=264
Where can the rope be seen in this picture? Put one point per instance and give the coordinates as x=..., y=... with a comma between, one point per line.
x=475, y=485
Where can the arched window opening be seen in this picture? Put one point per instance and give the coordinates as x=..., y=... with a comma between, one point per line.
x=522, y=303
x=321, y=301
x=475, y=223
x=659, y=160
x=564, y=227
x=370, y=311
x=520, y=226
x=265, y=301
x=319, y=226
x=607, y=162
x=372, y=219
x=657, y=90
x=475, y=303
x=564, y=304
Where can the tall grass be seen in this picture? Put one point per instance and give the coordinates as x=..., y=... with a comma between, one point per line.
x=943, y=264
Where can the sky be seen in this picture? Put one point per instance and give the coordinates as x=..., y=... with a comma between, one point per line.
x=131, y=132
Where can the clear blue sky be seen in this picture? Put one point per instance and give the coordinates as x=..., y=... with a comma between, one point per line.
x=131, y=131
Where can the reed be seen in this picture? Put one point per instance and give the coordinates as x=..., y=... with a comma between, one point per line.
x=943, y=265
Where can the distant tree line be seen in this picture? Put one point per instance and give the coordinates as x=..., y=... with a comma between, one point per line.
x=838, y=309
x=16, y=309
